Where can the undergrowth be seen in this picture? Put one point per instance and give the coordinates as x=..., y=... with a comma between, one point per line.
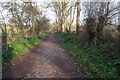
x=92, y=58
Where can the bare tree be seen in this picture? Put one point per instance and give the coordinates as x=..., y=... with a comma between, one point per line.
x=101, y=13
x=78, y=17
x=63, y=10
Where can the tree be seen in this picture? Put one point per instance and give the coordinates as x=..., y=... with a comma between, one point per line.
x=63, y=10
x=78, y=17
x=101, y=13
x=4, y=30
x=105, y=15
x=43, y=24
x=3, y=24
x=30, y=10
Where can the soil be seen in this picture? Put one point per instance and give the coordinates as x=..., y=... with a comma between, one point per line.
x=47, y=59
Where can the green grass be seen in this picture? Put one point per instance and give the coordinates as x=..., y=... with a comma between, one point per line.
x=92, y=58
x=18, y=47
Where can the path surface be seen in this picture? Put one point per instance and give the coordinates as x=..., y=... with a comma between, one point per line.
x=46, y=60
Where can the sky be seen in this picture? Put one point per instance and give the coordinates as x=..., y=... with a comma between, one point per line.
x=50, y=14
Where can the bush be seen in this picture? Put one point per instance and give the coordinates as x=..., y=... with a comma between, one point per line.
x=93, y=58
x=33, y=39
x=7, y=53
x=20, y=45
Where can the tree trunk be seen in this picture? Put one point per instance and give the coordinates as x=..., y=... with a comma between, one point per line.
x=90, y=23
x=100, y=27
x=78, y=17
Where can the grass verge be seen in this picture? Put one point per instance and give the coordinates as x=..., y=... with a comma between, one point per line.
x=18, y=47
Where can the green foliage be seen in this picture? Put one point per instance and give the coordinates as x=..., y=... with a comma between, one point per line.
x=69, y=38
x=32, y=40
x=6, y=53
x=18, y=47
x=92, y=58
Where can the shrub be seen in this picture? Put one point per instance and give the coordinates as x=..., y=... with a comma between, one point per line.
x=93, y=59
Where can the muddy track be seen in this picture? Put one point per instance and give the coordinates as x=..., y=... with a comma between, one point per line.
x=47, y=59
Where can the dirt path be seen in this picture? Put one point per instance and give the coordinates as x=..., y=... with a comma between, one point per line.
x=46, y=60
